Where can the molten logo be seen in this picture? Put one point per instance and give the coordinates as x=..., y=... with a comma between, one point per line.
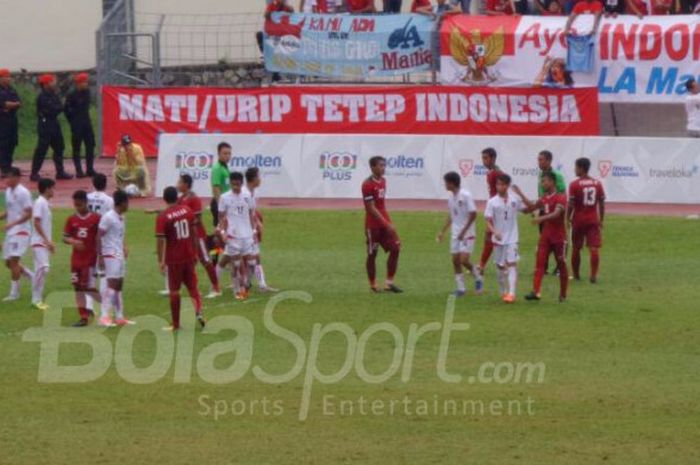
x=466, y=167
x=604, y=168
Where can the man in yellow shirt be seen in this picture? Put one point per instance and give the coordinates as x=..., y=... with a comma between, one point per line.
x=130, y=167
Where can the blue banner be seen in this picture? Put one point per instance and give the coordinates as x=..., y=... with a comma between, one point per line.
x=348, y=46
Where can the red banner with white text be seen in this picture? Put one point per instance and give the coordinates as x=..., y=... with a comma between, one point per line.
x=146, y=113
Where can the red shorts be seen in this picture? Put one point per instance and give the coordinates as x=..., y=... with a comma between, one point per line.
x=384, y=237
x=546, y=246
x=588, y=234
x=82, y=277
x=181, y=273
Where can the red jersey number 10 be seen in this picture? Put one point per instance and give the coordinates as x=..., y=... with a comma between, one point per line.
x=182, y=229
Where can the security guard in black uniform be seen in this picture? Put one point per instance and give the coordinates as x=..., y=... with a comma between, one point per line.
x=9, y=133
x=77, y=111
x=48, y=107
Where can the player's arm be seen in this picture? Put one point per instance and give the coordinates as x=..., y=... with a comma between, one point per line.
x=601, y=210
x=160, y=250
x=23, y=219
x=571, y=204
x=448, y=223
x=40, y=231
x=98, y=245
x=570, y=22
x=372, y=210
x=491, y=227
x=558, y=211
x=530, y=206
x=470, y=221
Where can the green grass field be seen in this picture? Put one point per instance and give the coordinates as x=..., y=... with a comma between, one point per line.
x=621, y=384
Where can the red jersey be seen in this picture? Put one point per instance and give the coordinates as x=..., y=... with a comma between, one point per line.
x=502, y=6
x=374, y=190
x=357, y=5
x=555, y=229
x=176, y=224
x=585, y=195
x=584, y=7
x=491, y=178
x=419, y=4
x=194, y=203
x=274, y=8
x=83, y=229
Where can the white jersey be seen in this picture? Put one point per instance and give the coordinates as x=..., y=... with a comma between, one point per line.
x=100, y=203
x=237, y=208
x=461, y=206
x=112, y=227
x=253, y=200
x=41, y=212
x=18, y=201
x=504, y=213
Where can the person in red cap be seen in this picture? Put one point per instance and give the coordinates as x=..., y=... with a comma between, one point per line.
x=9, y=133
x=77, y=111
x=48, y=108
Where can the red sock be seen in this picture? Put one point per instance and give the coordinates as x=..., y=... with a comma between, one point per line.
x=595, y=263
x=371, y=265
x=211, y=272
x=175, y=309
x=392, y=264
x=576, y=262
x=563, y=279
x=82, y=306
x=486, y=254
x=196, y=299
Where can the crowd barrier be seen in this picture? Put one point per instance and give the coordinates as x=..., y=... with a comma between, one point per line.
x=638, y=170
x=636, y=60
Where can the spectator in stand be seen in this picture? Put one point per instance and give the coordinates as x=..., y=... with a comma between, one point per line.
x=423, y=7
x=392, y=6
x=593, y=7
x=360, y=6
x=500, y=7
x=554, y=74
x=612, y=8
x=273, y=6
x=692, y=107
x=549, y=7
x=320, y=6
x=130, y=168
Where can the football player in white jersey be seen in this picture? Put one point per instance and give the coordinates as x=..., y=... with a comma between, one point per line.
x=98, y=201
x=112, y=255
x=502, y=221
x=253, y=181
x=18, y=213
x=236, y=226
x=42, y=240
x=462, y=220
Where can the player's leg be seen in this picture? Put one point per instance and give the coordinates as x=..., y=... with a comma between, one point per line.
x=210, y=268
x=512, y=259
x=486, y=253
x=224, y=264
x=392, y=245
x=175, y=275
x=237, y=276
x=249, y=269
x=540, y=270
x=14, y=248
x=594, y=241
x=459, y=275
x=577, y=238
x=80, y=278
x=371, y=261
x=41, y=269
x=118, y=303
x=192, y=285
x=466, y=250
x=560, y=254
x=502, y=272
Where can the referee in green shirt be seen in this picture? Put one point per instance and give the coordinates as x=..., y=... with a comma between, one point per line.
x=544, y=161
x=220, y=174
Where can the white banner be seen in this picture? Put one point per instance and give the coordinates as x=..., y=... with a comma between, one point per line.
x=637, y=170
x=636, y=60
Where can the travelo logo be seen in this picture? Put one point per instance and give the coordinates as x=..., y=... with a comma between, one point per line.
x=337, y=166
x=675, y=172
x=196, y=164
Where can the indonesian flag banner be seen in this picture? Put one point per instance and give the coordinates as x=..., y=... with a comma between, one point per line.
x=145, y=114
x=635, y=60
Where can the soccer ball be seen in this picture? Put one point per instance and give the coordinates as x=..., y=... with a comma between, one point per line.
x=132, y=190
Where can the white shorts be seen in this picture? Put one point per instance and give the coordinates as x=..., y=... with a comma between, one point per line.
x=466, y=245
x=15, y=246
x=41, y=256
x=236, y=247
x=506, y=253
x=115, y=268
x=256, y=248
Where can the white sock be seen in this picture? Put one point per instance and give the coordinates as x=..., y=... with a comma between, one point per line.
x=459, y=279
x=260, y=276
x=106, y=305
x=103, y=286
x=235, y=279
x=219, y=272
x=502, y=280
x=38, y=282
x=14, y=288
x=27, y=273
x=89, y=303
x=476, y=272
x=118, y=305
x=512, y=279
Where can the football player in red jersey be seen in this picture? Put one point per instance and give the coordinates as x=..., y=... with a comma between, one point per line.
x=80, y=232
x=177, y=242
x=194, y=203
x=586, y=214
x=378, y=227
x=488, y=159
x=552, y=236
